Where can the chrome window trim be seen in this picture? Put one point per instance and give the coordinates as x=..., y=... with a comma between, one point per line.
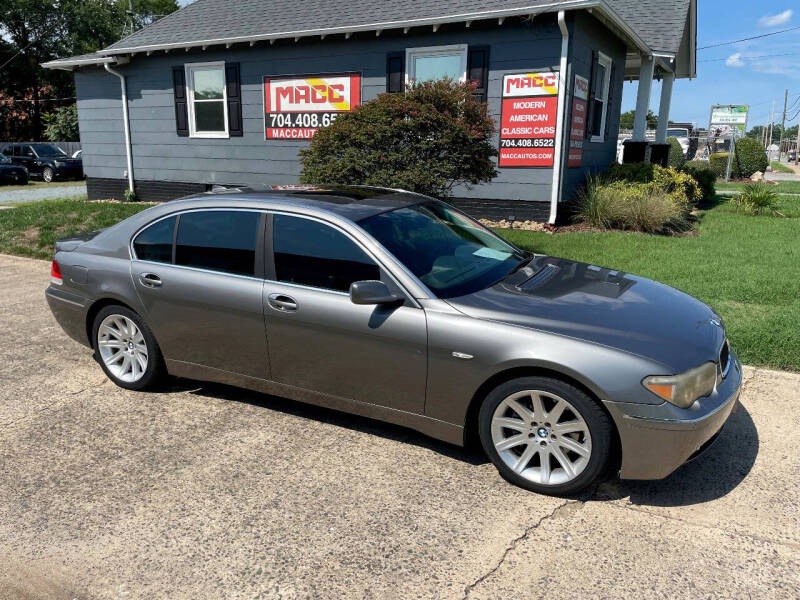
x=381, y=264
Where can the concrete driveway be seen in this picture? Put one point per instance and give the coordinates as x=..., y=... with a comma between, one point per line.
x=204, y=491
x=42, y=192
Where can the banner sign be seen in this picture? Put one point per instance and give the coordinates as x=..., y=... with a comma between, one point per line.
x=577, y=127
x=728, y=118
x=295, y=107
x=528, y=120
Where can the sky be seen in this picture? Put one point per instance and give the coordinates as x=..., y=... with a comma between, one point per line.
x=743, y=73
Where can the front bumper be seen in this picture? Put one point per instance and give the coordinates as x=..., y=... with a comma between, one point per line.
x=657, y=439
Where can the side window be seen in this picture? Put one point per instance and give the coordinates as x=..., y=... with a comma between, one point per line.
x=17, y=150
x=155, y=242
x=26, y=151
x=311, y=253
x=219, y=240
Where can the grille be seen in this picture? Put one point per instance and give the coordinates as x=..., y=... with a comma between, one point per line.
x=724, y=357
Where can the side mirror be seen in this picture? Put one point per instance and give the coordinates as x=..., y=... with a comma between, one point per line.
x=372, y=292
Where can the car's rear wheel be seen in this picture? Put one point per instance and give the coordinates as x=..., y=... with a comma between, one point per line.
x=125, y=348
x=48, y=174
x=545, y=435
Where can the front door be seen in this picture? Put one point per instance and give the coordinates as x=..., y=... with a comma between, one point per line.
x=24, y=156
x=203, y=296
x=319, y=340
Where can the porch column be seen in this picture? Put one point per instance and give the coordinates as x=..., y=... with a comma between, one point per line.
x=663, y=108
x=643, y=98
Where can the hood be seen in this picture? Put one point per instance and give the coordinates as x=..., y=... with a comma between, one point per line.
x=604, y=306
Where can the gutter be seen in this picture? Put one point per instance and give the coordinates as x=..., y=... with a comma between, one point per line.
x=125, y=122
x=558, y=151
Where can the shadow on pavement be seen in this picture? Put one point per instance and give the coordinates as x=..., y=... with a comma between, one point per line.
x=330, y=416
x=710, y=476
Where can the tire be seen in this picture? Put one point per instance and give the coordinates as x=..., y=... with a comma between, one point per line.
x=48, y=174
x=129, y=355
x=517, y=443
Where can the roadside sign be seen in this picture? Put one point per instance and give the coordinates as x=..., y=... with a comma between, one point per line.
x=577, y=127
x=528, y=119
x=296, y=106
x=728, y=119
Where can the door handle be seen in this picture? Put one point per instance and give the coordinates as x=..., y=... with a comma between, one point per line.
x=150, y=280
x=282, y=302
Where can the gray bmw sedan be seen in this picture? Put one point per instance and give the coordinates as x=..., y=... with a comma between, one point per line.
x=398, y=307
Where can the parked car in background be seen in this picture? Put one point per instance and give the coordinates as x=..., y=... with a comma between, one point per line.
x=398, y=307
x=791, y=156
x=47, y=161
x=11, y=173
x=682, y=135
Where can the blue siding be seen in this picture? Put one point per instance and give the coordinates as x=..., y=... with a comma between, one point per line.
x=161, y=155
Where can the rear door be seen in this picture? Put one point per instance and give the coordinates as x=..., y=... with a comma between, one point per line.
x=25, y=156
x=319, y=340
x=203, y=294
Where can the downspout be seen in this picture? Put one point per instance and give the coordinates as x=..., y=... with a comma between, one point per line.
x=125, y=123
x=555, y=193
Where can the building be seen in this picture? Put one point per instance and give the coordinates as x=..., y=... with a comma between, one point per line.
x=226, y=92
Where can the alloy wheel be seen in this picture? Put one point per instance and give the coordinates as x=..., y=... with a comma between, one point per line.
x=122, y=348
x=541, y=437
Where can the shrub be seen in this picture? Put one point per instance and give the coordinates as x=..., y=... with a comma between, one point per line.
x=683, y=188
x=756, y=198
x=705, y=178
x=697, y=164
x=130, y=195
x=428, y=139
x=632, y=206
x=718, y=163
x=749, y=157
x=676, y=157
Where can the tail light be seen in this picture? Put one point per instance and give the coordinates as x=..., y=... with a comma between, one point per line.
x=55, y=274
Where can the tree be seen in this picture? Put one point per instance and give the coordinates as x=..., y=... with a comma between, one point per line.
x=626, y=120
x=62, y=124
x=36, y=31
x=428, y=139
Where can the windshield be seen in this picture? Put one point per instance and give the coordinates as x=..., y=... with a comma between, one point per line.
x=47, y=150
x=449, y=252
x=677, y=133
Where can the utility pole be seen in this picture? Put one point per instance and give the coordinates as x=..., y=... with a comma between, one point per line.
x=783, y=123
x=797, y=147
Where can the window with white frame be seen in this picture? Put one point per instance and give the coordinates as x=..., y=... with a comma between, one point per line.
x=207, y=100
x=600, y=85
x=436, y=62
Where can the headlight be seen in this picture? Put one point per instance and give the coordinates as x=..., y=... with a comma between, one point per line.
x=682, y=390
x=59, y=163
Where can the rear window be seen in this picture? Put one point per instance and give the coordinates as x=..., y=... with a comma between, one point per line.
x=218, y=240
x=155, y=242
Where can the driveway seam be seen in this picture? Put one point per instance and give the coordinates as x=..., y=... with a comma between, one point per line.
x=515, y=542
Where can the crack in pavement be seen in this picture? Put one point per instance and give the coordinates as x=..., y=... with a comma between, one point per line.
x=521, y=538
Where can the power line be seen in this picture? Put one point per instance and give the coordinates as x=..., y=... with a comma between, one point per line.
x=753, y=37
x=750, y=57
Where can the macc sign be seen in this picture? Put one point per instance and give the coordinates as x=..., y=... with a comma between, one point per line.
x=295, y=107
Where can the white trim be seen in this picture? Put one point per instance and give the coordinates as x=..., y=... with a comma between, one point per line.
x=428, y=51
x=606, y=62
x=558, y=149
x=189, y=69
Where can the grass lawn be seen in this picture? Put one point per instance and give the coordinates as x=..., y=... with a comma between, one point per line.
x=34, y=184
x=32, y=228
x=786, y=187
x=779, y=167
x=747, y=268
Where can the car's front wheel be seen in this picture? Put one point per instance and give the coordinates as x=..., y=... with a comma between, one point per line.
x=48, y=174
x=125, y=348
x=545, y=435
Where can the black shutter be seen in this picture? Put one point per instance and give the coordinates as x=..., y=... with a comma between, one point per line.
x=233, y=87
x=592, y=91
x=395, y=72
x=609, y=99
x=478, y=70
x=181, y=109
